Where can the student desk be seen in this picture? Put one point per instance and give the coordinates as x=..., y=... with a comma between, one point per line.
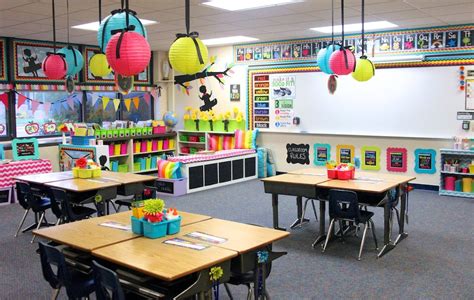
x=41, y=179
x=313, y=182
x=186, y=218
x=131, y=184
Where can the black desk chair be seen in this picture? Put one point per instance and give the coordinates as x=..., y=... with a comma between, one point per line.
x=77, y=284
x=304, y=210
x=107, y=284
x=37, y=204
x=344, y=206
x=70, y=212
x=22, y=201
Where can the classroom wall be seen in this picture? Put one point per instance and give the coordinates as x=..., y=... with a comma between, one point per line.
x=277, y=141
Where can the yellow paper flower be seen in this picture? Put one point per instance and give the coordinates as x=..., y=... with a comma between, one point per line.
x=214, y=118
x=239, y=118
x=186, y=117
x=195, y=111
x=227, y=115
x=188, y=108
x=193, y=117
x=236, y=111
x=220, y=117
x=205, y=117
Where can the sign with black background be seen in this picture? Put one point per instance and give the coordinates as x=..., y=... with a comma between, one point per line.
x=297, y=154
x=424, y=161
x=345, y=156
x=396, y=160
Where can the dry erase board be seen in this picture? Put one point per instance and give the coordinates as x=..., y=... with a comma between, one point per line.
x=404, y=102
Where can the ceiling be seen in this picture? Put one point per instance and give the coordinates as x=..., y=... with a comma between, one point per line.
x=31, y=19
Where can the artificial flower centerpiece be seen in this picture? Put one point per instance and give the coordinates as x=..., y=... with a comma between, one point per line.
x=65, y=128
x=153, y=210
x=85, y=168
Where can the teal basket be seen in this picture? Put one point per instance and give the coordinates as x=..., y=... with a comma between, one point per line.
x=154, y=230
x=174, y=226
x=137, y=226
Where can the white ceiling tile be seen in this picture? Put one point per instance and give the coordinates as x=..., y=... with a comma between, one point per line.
x=458, y=18
x=402, y=15
x=435, y=3
x=387, y=7
x=450, y=9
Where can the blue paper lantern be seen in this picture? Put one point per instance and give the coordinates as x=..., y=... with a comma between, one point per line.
x=117, y=22
x=74, y=60
x=323, y=58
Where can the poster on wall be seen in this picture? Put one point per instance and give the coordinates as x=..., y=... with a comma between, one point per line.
x=3, y=60
x=27, y=60
x=297, y=154
x=25, y=149
x=322, y=154
x=345, y=154
x=370, y=158
x=235, y=92
x=282, y=98
x=425, y=161
x=396, y=159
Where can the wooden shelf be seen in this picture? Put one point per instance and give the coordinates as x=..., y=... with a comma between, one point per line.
x=195, y=143
x=146, y=171
x=457, y=173
x=152, y=136
x=151, y=152
x=117, y=156
x=456, y=194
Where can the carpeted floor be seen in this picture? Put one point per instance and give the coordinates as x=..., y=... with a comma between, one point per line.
x=436, y=261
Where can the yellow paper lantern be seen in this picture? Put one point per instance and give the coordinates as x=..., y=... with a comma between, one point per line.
x=183, y=55
x=364, y=70
x=99, y=66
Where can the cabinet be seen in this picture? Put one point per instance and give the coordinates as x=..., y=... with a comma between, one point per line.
x=457, y=173
x=191, y=142
x=139, y=154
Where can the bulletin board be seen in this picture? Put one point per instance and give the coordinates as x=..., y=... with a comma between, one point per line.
x=399, y=102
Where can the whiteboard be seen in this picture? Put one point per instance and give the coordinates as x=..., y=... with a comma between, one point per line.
x=403, y=102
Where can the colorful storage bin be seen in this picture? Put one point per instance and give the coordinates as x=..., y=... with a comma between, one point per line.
x=154, y=230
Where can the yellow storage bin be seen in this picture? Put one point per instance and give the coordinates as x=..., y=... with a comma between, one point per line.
x=171, y=144
x=160, y=144
x=466, y=184
x=148, y=146
x=85, y=173
x=137, y=146
x=75, y=172
x=117, y=149
x=96, y=172
x=471, y=169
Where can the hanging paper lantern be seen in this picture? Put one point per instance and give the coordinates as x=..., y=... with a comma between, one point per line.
x=99, y=66
x=132, y=55
x=117, y=21
x=342, y=62
x=74, y=60
x=364, y=70
x=323, y=58
x=184, y=55
x=54, y=66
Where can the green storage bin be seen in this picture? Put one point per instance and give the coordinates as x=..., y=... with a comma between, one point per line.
x=127, y=132
x=219, y=126
x=138, y=131
x=183, y=138
x=98, y=133
x=103, y=134
x=123, y=168
x=115, y=133
x=204, y=126
x=133, y=131
x=110, y=133
x=149, y=130
x=192, y=150
x=121, y=132
x=189, y=125
x=202, y=139
x=234, y=125
x=148, y=163
x=136, y=167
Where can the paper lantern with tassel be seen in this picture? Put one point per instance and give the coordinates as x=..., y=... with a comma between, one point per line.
x=342, y=62
x=132, y=56
x=364, y=70
x=54, y=66
x=323, y=58
x=99, y=66
x=74, y=60
x=183, y=55
x=117, y=21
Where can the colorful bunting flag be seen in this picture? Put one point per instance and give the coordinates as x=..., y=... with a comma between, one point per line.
x=94, y=99
x=46, y=107
x=21, y=100
x=127, y=102
x=70, y=102
x=34, y=105
x=147, y=98
x=116, y=104
x=4, y=100
x=105, y=101
x=155, y=94
x=136, y=102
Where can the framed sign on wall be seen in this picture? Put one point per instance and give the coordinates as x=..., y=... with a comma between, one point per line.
x=345, y=154
x=322, y=154
x=3, y=60
x=24, y=149
x=425, y=161
x=370, y=158
x=396, y=159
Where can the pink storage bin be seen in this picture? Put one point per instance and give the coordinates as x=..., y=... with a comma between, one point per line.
x=449, y=183
x=123, y=149
x=143, y=146
x=154, y=145
x=159, y=129
x=111, y=149
x=166, y=144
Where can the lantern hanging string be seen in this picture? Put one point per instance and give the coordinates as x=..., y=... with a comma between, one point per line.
x=342, y=23
x=332, y=22
x=67, y=19
x=126, y=15
x=363, y=30
x=54, y=28
x=187, y=16
x=100, y=12
x=193, y=35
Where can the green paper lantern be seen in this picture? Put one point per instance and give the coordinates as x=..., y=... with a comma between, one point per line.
x=364, y=70
x=183, y=55
x=99, y=66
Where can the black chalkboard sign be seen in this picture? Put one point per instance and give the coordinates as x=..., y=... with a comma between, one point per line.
x=345, y=156
x=424, y=161
x=25, y=149
x=165, y=187
x=396, y=160
x=297, y=154
x=370, y=158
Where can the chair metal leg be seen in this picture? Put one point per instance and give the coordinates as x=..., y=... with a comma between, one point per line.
x=38, y=227
x=56, y=293
x=366, y=225
x=328, y=236
x=58, y=222
x=267, y=295
x=304, y=212
x=113, y=205
x=398, y=215
x=118, y=208
x=314, y=210
x=22, y=221
x=227, y=289
x=372, y=226
x=250, y=292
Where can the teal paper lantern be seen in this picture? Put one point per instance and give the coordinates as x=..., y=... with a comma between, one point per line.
x=73, y=58
x=323, y=58
x=114, y=23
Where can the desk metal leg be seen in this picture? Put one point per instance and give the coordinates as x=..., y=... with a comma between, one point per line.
x=322, y=223
x=386, y=232
x=403, y=205
x=299, y=212
x=275, y=212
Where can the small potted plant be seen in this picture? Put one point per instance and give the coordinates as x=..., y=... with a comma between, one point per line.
x=153, y=225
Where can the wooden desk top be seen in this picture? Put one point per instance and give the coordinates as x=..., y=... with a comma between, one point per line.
x=186, y=218
x=240, y=237
x=88, y=235
x=309, y=171
x=167, y=262
x=297, y=179
x=126, y=178
x=82, y=185
x=45, y=177
x=385, y=176
x=370, y=186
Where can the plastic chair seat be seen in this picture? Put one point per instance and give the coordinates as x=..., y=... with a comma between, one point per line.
x=83, y=284
x=43, y=204
x=82, y=212
x=241, y=278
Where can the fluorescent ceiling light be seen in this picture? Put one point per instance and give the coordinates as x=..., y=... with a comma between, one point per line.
x=397, y=59
x=356, y=27
x=94, y=26
x=234, y=5
x=229, y=40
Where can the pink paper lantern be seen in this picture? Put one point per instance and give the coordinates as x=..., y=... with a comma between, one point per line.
x=342, y=62
x=131, y=57
x=54, y=66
